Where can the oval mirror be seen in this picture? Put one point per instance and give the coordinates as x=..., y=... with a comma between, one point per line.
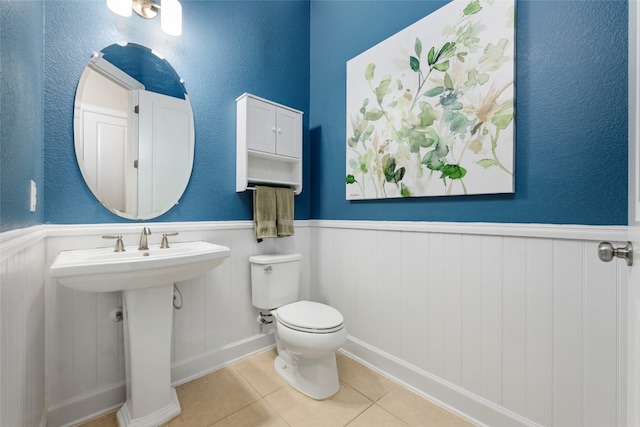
x=133, y=131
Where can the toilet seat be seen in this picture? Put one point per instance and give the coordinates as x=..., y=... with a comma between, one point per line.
x=310, y=317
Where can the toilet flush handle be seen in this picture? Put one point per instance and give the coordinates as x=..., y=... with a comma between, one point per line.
x=268, y=269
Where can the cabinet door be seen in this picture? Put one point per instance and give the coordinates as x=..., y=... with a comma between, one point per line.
x=261, y=126
x=289, y=133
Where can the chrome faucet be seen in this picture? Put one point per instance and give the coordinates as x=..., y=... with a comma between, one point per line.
x=143, y=246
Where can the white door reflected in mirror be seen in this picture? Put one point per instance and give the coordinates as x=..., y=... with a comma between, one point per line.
x=162, y=120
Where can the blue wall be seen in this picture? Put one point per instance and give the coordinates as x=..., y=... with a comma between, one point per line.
x=21, y=112
x=571, y=108
x=571, y=83
x=227, y=48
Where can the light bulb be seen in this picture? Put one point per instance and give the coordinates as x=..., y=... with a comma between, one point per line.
x=171, y=17
x=121, y=7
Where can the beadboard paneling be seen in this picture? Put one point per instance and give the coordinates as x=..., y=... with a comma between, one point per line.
x=527, y=325
x=22, y=342
x=508, y=325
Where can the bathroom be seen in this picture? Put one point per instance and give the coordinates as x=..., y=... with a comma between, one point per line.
x=495, y=305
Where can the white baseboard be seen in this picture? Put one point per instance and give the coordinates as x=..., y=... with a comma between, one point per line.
x=472, y=408
x=85, y=407
x=213, y=360
x=43, y=418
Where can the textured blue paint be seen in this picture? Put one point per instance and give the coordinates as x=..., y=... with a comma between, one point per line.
x=571, y=114
x=227, y=48
x=571, y=73
x=21, y=112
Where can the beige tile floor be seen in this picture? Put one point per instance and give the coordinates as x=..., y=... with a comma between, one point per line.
x=250, y=393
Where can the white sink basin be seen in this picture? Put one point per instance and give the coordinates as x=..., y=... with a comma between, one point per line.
x=103, y=270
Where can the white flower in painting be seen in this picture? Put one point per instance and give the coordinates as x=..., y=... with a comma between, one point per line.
x=485, y=102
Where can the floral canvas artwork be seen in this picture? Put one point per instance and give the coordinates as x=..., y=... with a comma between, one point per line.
x=430, y=110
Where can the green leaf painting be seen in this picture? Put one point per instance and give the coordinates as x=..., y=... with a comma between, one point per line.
x=430, y=110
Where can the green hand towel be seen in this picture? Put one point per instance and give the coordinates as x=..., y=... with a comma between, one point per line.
x=264, y=212
x=284, y=211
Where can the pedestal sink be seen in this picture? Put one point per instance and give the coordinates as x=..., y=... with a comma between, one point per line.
x=146, y=280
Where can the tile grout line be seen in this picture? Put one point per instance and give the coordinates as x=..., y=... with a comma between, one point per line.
x=253, y=372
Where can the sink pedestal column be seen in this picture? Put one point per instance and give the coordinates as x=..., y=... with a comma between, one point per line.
x=151, y=401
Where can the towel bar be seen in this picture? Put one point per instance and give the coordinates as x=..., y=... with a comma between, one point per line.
x=254, y=188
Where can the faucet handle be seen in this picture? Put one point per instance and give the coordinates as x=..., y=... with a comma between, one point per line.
x=165, y=242
x=119, y=244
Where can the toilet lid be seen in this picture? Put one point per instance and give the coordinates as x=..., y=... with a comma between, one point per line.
x=308, y=316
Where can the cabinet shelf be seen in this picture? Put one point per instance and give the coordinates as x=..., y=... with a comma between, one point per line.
x=272, y=156
x=272, y=182
x=268, y=144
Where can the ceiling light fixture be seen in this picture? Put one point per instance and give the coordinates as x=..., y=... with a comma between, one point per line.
x=170, y=21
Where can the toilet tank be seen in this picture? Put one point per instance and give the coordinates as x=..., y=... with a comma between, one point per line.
x=274, y=280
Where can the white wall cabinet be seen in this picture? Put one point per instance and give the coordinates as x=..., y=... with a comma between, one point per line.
x=268, y=143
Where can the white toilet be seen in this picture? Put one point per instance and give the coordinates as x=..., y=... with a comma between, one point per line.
x=307, y=333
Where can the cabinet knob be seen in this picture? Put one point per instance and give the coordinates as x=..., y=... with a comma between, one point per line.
x=273, y=129
x=279, y=130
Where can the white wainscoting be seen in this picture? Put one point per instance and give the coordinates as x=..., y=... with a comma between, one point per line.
x=505, y=324
x=22, y=330
x=216, y=325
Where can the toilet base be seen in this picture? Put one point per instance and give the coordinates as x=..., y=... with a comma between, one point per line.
x=317, y=377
